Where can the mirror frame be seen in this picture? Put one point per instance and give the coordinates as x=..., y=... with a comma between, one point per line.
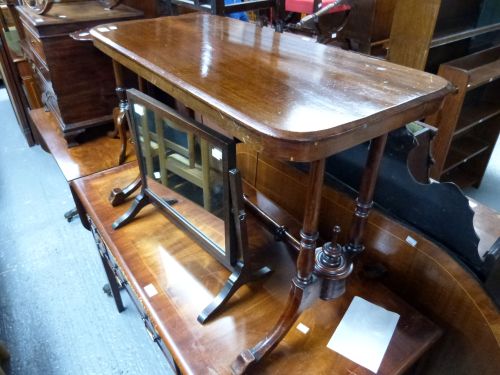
x=230, y=255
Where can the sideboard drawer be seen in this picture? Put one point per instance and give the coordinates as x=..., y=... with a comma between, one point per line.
x=35, y=44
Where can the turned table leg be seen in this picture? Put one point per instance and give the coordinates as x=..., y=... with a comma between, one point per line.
x=120, y=113
x=364, y=202
x=304, y=288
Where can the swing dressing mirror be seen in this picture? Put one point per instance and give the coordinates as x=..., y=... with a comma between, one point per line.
x=185, y=172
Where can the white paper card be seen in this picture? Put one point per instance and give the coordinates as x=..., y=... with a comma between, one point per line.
x=410, y=240
x=303, y=328
x=364, y=333
x=150, y=290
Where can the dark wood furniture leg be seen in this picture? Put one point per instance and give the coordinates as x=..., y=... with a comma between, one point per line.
x=243, y=272
x=305, y=288
x=79, y=208
x=119, y=195
x=364, y=202
x=113, y=284
x=140, y=202
x=71, y=137
x=71, y=214
x=239, y=277
x=120, y=119
x=120, y=113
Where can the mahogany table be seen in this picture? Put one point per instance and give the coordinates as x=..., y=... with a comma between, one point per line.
x=152, y=254
x=286, y=97
x=95, y=155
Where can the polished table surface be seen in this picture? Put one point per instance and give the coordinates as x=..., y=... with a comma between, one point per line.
x=63, y=13
x=94, y=155
x=152, y=250
x=289, y=97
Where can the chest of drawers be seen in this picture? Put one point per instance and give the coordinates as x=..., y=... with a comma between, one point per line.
x=76, y=80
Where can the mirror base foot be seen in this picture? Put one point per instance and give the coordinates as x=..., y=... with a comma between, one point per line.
x=239, y=277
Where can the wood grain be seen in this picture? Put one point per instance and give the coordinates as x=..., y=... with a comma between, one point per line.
x=75, y=78
x=412, y=30
x=424, y=275
x=151, y=250
x=96, y=155
x=253, y=83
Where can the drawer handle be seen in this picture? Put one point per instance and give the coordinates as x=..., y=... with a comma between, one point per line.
x=154, y=337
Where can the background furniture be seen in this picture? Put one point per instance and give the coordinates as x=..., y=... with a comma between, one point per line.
x=97, y=154
x=220, y=7
x=427, y=34
x=76, y=79
x=187, y=278
x=469, y=122
x=16, y=71
x=421, y=272
x=369, y=26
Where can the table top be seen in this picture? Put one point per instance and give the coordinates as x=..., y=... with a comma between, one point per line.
x=152, y=250
x=290, y=97
x=83, y=11
x=95, y=155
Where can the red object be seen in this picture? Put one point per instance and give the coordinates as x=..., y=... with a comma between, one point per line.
x=306, y=6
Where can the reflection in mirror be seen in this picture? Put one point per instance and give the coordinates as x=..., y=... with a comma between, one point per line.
x=188, y=171
x=187, y=163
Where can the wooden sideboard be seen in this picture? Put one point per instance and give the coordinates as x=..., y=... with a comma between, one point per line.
x=153, y=254
x=249, y=82
x=76, y=79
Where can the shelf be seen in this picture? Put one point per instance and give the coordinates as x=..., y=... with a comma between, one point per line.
x=460, y=176
x=462, y=150
x=485, y=74
x=482, y=67
x=451, y=36
x=473, y=115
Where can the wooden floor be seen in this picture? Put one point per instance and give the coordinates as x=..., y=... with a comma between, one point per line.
x=54, y=317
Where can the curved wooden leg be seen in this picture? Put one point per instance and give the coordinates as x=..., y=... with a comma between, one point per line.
x=300, y=298
x=239, y=277
x=140, y=201
x=113, y=133
x=118, y=195
x=305, y=288
x=120, y=118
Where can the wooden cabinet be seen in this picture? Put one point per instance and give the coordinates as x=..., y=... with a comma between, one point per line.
x=75, y=78
x=369, y=25
x=17, y=73
x=428, y=33
x=457, y=40
x=470, y=120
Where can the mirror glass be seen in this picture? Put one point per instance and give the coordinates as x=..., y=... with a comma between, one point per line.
x=184, y=168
